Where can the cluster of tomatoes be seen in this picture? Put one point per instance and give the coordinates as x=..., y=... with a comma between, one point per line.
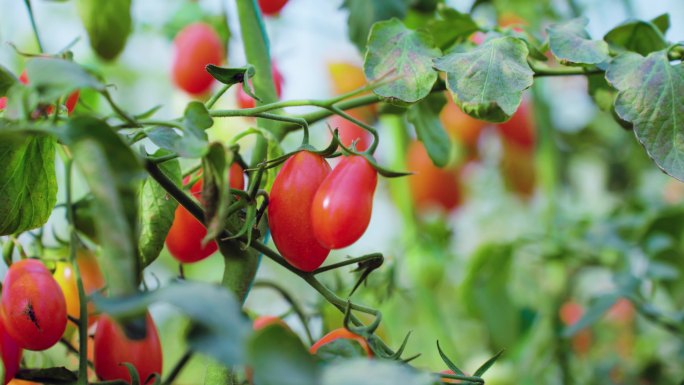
x=34, y=312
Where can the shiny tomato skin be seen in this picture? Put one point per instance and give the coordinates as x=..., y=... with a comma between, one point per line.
x=246, y=101
x=92, y=279
x=195, y=46
x=343, y=204
x=341, y=333
x=112, y=348
x=33, y=305
x=10, y=352
x=271, y=7
x=350, y=132
x=430, y=185
x=184, y=240
x=289, y=210
x=519, y=129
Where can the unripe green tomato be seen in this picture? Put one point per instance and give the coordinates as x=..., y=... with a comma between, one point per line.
x=108, y=24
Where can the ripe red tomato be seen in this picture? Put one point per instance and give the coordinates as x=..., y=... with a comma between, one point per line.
x=341, y=333
x=196, y=46
x=91, y=276
x=184, y=240
x=350, y=132
x=570, y=313
x=430, y=185
x=342, y=206
x=289, y=210
x=33, y=305
x=271, y=7
x=246, y=101
x=112, y=348
x=519, y=129
x=10, y=352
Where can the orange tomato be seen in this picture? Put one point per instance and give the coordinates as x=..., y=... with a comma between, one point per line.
x=346, y=77
x=518, y=169
x=570, y=313
x=341, y=333
x=91, y=276
x=430, y=185
x=462, y=127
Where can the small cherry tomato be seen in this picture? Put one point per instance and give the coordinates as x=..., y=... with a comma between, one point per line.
x=92, y=279
x=519, y=129
x=112, y=348
x=430, y=185
x=196, y=45
x=33, y=305
x=342, y=206
x=10, y=352
x=271, y=7
x=184, y=240
x=341, y=333
x=350, y=132
x=289, y=210
x=246, y=101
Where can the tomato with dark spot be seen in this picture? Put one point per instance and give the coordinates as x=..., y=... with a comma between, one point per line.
x=196, y=46
x=184, y=240
x=33, y=305
x=289, y=210
x=10, y=352
x=350, y=132
x=341, y=333
x=271, y=7
x=112, y=348
x=246, y=101
x=343, y=204
x=430, y=185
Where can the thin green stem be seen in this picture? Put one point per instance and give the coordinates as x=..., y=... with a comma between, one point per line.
x=542, y=70
x=346, y=262
x=29, y=8
x=214, y=98
x=477, y=380
x=122, y=114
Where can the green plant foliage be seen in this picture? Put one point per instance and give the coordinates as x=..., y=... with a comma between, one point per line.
x=108, y=25
x=364, y=13
x=424, y=116
x=570, y=42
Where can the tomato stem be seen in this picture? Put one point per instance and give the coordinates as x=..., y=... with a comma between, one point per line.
x=33, y=25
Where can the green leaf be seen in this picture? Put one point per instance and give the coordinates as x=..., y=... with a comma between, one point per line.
x=488, y=364
x=450, y=27
x=595, y=311
x=219, y=327
x=113, y=174
x=186, y=146
x=157, y=210
x=641, y=37
x=486, y=293
x=362, y=371
x=56, y=375
x=278, y=357
x=602, y=93
x=108, y=24
x=487, y=82
x=216, y=195
x=197, y=119
x=662, y=22
x=403, y=58
x=84, y=217
x=364, y=13
x=230, y=76
x=53, y=78
x=649, y=97
x=7, y=79
x=424, y=116
x=28, y=191
x=570, y=42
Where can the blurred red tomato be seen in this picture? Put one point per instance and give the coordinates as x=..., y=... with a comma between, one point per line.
x=195, y=46
x=246, y=101
x=350, y=132
x=462, y=127
x=519, y=129
x=570, y=313
x=430, y=185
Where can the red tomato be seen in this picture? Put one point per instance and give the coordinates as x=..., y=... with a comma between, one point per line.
x=246, y=101
x=289, y=210
x=462, y=127
x=196, y=46
x=3, y=102
x=519, y=129
x=33, y=305
x=184, y=240
x=350, y=132
x=271, y=7
x=341, y=333
x=10, y=352
x=622, y=312
x=342, y=206
x=430, y=185
x=91, y=276
x=112, y=348
x=268, y=320
x=570, y=313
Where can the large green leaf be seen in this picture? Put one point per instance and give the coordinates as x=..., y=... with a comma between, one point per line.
x=424, y=116
x=650, y=97
x=450, y=27
x=570, y=42
x=187, y=146
x=487, y=82
x=53, y=78
x=641, y=37
x=362, y=371
x=219, y=328
x=364, y=13
x=28, y=191
x=157, y=210
x=278, y=357
x=113, y=174
x=108, y=24
x=404, y=58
